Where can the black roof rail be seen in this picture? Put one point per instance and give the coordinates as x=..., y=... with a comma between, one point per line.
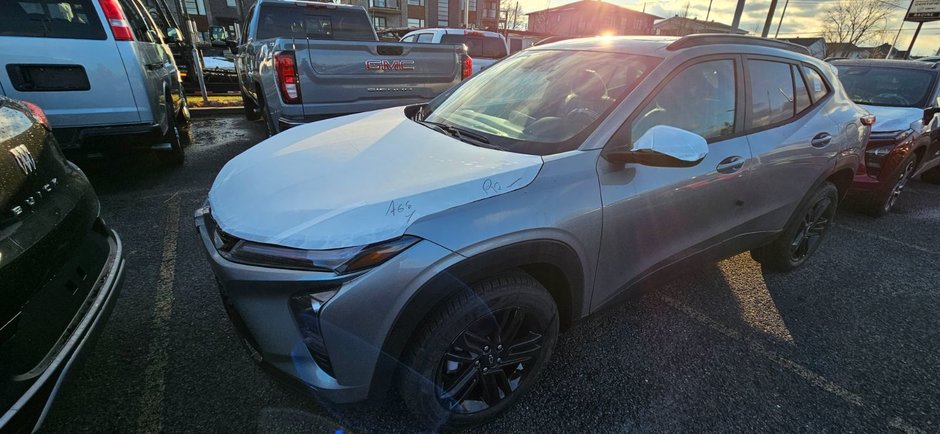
x=722, y=38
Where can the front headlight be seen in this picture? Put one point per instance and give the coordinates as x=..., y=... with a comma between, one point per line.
x=340, y=261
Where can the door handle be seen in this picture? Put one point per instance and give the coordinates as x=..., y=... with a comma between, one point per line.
x=821, y=140
x=731, y=164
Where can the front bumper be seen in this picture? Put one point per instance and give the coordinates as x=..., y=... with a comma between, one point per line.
x=29, y=412
x=354, y=323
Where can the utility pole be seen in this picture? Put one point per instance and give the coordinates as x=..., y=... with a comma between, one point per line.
x=911, y=47
x=737, y=14
x=770, y=19
x=709, y=13
x=466, y=14
x=780, y=23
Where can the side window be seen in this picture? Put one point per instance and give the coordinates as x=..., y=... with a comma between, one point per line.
x=700, y=99
x=425, y=38
x=409, y=38
x=771, y=92
x=817, y=86
x=802, y=94
x=137, y=22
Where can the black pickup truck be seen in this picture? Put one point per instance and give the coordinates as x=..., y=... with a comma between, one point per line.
x=60, y=266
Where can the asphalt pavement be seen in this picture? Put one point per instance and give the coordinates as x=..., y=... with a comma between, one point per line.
x=850, y=342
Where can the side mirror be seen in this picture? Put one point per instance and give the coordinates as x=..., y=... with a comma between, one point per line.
x=662, y=146
x=929, y=113
x=173, y=34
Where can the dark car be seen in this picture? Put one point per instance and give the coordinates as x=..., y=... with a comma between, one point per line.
x=60, y=266
x=905, y=140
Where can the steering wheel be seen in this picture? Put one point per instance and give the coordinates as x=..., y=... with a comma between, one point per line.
x=893, y=98
x=597, y=77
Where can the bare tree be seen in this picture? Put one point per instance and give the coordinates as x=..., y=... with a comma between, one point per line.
x=854, y=21
x=515, y=20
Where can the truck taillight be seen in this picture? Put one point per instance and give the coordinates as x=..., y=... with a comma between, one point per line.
x=467, y=68
x=288, y=82
x=120, y=27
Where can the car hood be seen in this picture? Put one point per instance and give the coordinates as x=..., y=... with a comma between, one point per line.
x=356, y=180
x=894, y=118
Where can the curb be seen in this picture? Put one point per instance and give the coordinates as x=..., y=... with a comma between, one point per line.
x=212, y=111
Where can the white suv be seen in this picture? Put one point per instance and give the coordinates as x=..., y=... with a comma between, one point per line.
x=485, y=48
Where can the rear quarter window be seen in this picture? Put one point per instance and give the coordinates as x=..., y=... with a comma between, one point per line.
x=72, y=19
x=285, y=21
x=489, y=47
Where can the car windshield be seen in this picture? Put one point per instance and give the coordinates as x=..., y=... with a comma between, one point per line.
x=541, y=102
x=489, y=47
x=894, y=87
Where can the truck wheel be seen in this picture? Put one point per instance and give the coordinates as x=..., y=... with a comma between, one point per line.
x=174, y=156
x=932, y=176
x=479, y=352
x=803, y=235
x=882, y=202
x=251, y=109
x=269, y=125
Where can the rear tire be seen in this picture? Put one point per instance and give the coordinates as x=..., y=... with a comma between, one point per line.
x=806, y=231
x=884, y=200
x=269, y=126
x=251, y=109
x=173, y=136
x=462, y=346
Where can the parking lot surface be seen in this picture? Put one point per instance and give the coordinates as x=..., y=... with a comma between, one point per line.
x=849, y=342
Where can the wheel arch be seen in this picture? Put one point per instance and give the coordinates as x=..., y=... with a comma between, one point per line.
x=553, y=264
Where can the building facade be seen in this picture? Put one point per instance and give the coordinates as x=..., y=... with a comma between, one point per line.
x=681, y=26
x=591, y=18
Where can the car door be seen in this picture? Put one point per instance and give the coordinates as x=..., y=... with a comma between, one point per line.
x=144, y=57
x=655, y=216
x=791, y=135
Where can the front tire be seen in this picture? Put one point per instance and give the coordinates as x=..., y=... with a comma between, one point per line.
x=804, y=234
x=479, y=352
x=884, y=201
x=173, y=136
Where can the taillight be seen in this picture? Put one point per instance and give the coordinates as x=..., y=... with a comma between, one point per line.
x=287, y=80
x=467, y=68
x=117, y=20
x=868, y=120
x=38, y=114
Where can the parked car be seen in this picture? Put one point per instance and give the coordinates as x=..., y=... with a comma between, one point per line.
x=61, y=267
x=905, y=142
x=301, y=61
x=479, y=225
x=100, y=71
x=485, y=48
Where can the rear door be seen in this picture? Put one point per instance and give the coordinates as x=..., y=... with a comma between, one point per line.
x=59, y=55
x=791, y=136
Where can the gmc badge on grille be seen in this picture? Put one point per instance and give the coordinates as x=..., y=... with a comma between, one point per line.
x=390, y=65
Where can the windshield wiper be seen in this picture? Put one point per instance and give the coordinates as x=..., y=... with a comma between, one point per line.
x=460, y=134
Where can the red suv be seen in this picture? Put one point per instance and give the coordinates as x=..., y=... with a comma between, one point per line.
x=905, y=140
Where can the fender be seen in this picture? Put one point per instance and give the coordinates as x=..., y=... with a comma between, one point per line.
x=553, y=263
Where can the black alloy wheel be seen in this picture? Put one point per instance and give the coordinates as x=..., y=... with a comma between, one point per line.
x=813, y=228
x=478, y=351
x=895, y=193
x=488, y=361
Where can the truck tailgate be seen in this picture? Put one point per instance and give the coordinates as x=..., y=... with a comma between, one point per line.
x=354, y=71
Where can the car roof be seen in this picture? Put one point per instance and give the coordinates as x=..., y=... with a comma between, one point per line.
x=886, y=63
x=665, y=46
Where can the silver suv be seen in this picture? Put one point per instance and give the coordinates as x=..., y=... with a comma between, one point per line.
x=439, y=249
x=99, y=69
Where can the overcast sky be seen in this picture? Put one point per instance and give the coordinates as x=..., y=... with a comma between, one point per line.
x=803, y=17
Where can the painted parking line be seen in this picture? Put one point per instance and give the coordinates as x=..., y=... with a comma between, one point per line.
x=888, y=239
x=151, y=398
x=803, y=372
